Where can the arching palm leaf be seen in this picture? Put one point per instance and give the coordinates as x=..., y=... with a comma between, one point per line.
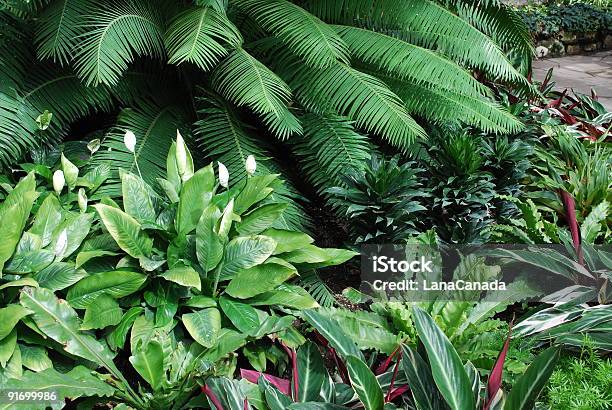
x=304, y=34
x=114, y=33
x=199, y=35
x=243, y=80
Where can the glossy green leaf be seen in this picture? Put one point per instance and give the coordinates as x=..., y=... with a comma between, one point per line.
x=285, y=295
x=259, y=279
x=71, y=172
x=203, y=326
x=311, y=372
x=209, y=247
x=137, y=197
x=332, y=332
x=365, y=383
x=420, y=380
x=7, y=347
x=195, y=196
x=260, y=219
x=447, y=369
x=35, y=358
x=126, y=231
x=9, y=317
x=184, y=276
x=19, y=283
x=529, y=386
x=256, y=189
x=47, y=218
x=77, y=226
x=287, y=241
x=243, y=316
x=101, y=312
x=116, y=338
x=59, y=275
x=245, y=252
x=149, y=363
x=115, y=283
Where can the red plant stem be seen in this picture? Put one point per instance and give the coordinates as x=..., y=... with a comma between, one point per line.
x=398, y=391
x=212, y=397
x=387, y=362
x=397, y=363
x=495, y=377
x=570, y=215
x=340, y=365
x=293, y=356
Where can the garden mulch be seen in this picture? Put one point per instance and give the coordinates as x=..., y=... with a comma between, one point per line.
x=580, y=73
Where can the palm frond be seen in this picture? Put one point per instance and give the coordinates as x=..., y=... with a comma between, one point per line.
x=219, y=5
x=58, y=29
x=444, y=106
x=407, y=61
x=245, y=81
x=14, y=49
x=424, y=23
x=329, y=148
x=303, y=33
x=199, y=35
x=223, y=137
x=359, y=96
x=116, y=32
x=15, y=135
x=155, y=127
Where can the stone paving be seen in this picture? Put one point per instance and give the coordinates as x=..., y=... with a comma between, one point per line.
x=580, y=73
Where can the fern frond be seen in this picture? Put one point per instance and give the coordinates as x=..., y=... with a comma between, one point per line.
x=313, y=283
x=223, y=137
x=155, y=127
x=114, y=33
x=199, y=35
x=407, y=61
x=329, y=148
x=245, y=81
x=58, y=29
x=445, y=106
x=303, y=33
x=359, y=96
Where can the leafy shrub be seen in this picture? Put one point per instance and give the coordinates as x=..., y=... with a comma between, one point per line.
x=172, y=283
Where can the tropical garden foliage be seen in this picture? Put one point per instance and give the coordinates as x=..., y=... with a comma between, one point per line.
x=186, y=187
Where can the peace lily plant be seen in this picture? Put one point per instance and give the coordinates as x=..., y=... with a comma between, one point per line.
x=178, y=280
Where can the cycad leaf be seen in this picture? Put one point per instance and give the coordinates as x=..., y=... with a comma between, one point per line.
x=199, y=35
x=243, y=80
x=116, y=32
x=303, y=33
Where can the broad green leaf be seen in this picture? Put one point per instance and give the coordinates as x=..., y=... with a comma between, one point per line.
x=19, y=283
x=245, y=252
x=116, y=338
x=149, y=363
x=332, y=332
x=85, y=256
x=103, y=311
x=259, y=279
x=126, y=231
x=59, y=275
x=184, y=276
x=420, y=380
x=78, y=382
x=76, y=225
x=9, y=317
x=593, y=223
x=59, y=321
x=47, y=218
x=201, y=301
x=71, y=172
x=35, y=358
x=447, y=369
x=195, y=196
x=260, y=219
x=365, y=384
x=225, y=222
x=474, y=377
x=115, y=283
x=14, y=368
x=274, y=398
x=137, y=197
x=285, y=295
x=7, y=347
x=287, y=241
x=528, y=387
x=311, y=372
x=209, y=247
x=203, y=326
x=243, y=316
x=228, y=341
x=319, y=257
x=256, y=189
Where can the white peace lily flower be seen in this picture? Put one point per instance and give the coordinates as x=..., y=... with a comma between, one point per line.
x=62, y=243
x=250, y=165
x=130, y=141
x=181, y=154
x=223, y=175
x=82, y=200
x=58, y=181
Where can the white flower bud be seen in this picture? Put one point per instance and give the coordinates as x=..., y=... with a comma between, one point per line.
x=130, y=141
x=223, y=175
x=181, y=154
x=250, y=165
x=58, y=181
x=82, y=200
